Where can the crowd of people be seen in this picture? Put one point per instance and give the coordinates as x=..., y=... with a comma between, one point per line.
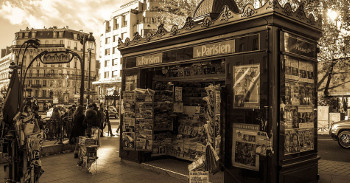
x=75, y=121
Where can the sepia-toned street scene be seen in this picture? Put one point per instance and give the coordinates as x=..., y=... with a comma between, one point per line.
x=174, y=91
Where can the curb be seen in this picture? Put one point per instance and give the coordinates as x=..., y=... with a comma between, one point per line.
x=56, y=149
x=159, y=170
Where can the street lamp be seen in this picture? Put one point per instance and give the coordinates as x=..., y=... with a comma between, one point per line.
x=84, y=38
x=91, y=45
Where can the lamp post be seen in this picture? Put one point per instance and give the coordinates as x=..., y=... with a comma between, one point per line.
x=91, y=44
x=83, y=39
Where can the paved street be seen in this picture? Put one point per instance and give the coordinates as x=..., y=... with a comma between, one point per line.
x=334, y=166
x=329, y=149
x=109, y=168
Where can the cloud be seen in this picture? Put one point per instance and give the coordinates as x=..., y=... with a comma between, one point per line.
x=87, y=15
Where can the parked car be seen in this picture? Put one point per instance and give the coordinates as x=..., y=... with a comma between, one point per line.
x=340, y=131
x=113, y=112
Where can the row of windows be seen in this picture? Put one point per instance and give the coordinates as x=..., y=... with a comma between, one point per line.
x=114, y=74
x=116, y=23
x=114, y=62
x=52, y=83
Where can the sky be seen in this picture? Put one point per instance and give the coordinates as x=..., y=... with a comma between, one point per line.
x=86, y=15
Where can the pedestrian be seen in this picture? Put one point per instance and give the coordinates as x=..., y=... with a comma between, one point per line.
x=57, y=121
x=91, y=120
x=100, y=116
x=110, y=133
x=78, y=128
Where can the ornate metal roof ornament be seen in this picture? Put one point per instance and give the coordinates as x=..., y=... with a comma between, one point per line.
x=120, y=42
x=174, y=30
x=207, y=22
x=226, y=14
x=248, y=11
x=127, y=41
x=149, y=37
x=273, y=5
x=287, y=9
x=161, y=31
x=137, y=37
x=300, y=13
x=189, y=24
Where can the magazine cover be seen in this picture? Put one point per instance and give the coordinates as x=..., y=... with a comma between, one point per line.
x=244, y=146
x=128, y=140
x=246, y=86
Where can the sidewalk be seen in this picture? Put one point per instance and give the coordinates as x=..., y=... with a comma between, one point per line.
x=333, y=171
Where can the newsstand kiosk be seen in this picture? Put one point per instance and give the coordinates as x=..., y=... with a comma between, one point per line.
x=237, y=84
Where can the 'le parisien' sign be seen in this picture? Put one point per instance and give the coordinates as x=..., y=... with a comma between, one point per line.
x=212, y=49
x=149, y=59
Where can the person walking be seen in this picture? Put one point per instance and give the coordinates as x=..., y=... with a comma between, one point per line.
x=91, y=120
x=56, y=119
x=110, y=133
x=100, y=116
x=78, y=128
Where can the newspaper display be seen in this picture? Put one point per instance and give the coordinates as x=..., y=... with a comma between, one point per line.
x=244, y=146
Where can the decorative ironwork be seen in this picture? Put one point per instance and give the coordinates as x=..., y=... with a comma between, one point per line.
x=273, y=4
x=300, y=13
x=56, y=57
x=174, y=30
x=226, y=14
x=207, y=22
x=189, y=24
x=311, y=19
x=161, y=30
x=127, y=41
x=120, y=42
x=248, y=11
x=287, y=9
x=137, y=37
x=149, y=36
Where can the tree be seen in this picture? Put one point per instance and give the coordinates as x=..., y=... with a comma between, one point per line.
x=174, y=12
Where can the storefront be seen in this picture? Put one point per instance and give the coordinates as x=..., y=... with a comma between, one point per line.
x=241, y=86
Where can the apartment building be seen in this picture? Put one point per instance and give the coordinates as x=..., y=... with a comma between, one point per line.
x=5, y=61
x=140, y=16
x=54, y=83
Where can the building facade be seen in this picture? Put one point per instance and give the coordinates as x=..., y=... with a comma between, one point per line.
x=54, y=83
x=5, y=73
x=136, y=16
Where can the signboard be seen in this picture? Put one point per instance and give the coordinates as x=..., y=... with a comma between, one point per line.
x=199, y=176
x=149, y=59
x=213, y=49
x=298, y=45
x=246, y=86
x=56, y=57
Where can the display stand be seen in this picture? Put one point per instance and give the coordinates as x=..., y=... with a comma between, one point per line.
x=88, y=151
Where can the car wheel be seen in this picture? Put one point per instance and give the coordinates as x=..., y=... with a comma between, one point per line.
x=344, y=139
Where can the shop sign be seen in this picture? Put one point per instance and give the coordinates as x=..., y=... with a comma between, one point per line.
x=213, y=49
x=300, y=46
x=149, y=59
x=56, y=57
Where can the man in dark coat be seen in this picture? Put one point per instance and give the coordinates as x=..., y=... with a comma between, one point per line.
x=78, y=128
x=91, y=120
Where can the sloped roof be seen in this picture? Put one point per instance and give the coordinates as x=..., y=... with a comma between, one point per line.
x=213, y=8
